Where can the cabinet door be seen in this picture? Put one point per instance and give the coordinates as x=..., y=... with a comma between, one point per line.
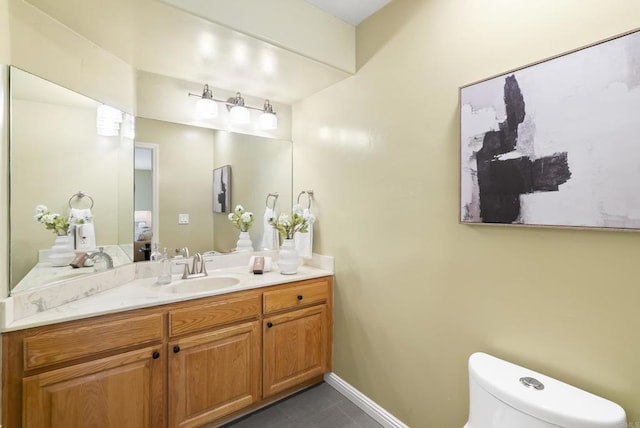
x=295, y=348
x=213, y=374
x=124, y=390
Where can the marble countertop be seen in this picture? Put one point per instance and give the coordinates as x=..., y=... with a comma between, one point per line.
x=144, y=292
x=43, y=273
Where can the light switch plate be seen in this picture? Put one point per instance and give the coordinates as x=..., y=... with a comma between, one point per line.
x=183, y=218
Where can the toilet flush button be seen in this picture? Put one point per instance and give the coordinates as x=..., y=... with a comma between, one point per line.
x=531, y=382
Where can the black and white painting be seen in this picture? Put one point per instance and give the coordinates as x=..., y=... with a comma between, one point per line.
x=556, y=143
x=222, y=189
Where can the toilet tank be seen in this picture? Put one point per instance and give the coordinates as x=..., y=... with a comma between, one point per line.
x=504, y=395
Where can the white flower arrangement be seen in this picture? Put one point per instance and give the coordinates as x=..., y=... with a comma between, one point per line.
x=241, y=219
x=52, y=221
x=287, y=225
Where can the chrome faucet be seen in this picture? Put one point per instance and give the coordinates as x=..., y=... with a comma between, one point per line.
x=184, y=252
x=100, y=254
x=198, y=267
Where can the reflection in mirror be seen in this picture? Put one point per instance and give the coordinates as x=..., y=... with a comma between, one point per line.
x=63, y=143
x=145, y=203
x=56, y=152
x=187, y=156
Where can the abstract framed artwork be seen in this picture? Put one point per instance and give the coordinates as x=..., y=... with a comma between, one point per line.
x=556, y=143
x=222, y=189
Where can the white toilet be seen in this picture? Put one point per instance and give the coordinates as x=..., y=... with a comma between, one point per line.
x=504, y=395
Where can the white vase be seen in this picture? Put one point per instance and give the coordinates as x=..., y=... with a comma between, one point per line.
x=61, y=253
x=288, y=258
x=244, y=243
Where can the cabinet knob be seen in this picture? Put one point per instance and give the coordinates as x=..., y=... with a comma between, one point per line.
x=269, y=324
x=299, y=296
x=176, y=349
x=156, y=355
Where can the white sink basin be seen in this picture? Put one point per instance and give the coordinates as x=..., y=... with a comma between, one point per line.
x=204, y=284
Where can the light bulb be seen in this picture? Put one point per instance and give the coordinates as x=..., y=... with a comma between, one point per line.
x=207, y=108
x=239, y=114
x=268, y=121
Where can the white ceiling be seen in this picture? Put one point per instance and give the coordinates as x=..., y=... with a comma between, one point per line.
x=351, y=11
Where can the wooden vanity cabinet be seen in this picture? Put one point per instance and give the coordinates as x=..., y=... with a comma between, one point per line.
x=296, y=334
x=124, y=390
x=178, y=365
x=215, y=370
x=103, y=372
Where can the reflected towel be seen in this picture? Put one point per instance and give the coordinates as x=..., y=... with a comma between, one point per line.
x=270, y=239
x=80, y=215
x=304, y=241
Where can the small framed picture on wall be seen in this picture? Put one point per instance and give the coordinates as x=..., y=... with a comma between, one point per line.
x=222, y=189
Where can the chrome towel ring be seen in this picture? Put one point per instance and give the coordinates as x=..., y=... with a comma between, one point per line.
x=275, y=200
x=78, y=198
x=309, y=194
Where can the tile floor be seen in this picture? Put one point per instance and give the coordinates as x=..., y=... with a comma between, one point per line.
x=320, y=406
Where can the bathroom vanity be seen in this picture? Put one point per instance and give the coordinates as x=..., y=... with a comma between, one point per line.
x=169, y=357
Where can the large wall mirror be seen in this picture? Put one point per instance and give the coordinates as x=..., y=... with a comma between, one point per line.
x=55, y=153
x=67, y=151
x=185, y=159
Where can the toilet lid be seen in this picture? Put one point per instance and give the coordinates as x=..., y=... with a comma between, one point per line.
x=557, y=402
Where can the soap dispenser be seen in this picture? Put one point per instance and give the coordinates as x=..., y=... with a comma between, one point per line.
x=155, y=253
x=165, y=269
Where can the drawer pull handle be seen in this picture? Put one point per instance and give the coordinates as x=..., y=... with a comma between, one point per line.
x=156, y=355
x=269, y=324
x=176, y=349
x=299, y=296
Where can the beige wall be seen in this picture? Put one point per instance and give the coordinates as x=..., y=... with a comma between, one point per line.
x=45, y=47
x=185, y=160
x=266, y=22
x=416, y=292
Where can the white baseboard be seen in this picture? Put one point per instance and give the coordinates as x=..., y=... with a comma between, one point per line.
x=384, y=418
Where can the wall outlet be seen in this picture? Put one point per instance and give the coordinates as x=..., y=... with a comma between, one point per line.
x=183, y=218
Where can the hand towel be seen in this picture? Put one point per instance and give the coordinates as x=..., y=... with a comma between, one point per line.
x=270, y=239
x=80, y=215
x=304, y=241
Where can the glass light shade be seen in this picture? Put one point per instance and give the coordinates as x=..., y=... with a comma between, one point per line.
x=239, y=114
x=268, y=121
x=207, y=108
x=108, y=121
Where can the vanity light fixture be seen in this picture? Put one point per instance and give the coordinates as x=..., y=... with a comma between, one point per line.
x=207, y=107
x=238, y=113
x=268, y=119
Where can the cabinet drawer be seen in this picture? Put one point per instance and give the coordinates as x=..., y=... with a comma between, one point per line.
x=301, y=295
x=203, y=316
x=71, y=342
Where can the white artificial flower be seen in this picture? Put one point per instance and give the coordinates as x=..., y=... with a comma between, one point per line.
x=41, y=209
x=284, y=218
x=230, y=216
x=239, y=209
x=49, y=218
x=246, y=217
